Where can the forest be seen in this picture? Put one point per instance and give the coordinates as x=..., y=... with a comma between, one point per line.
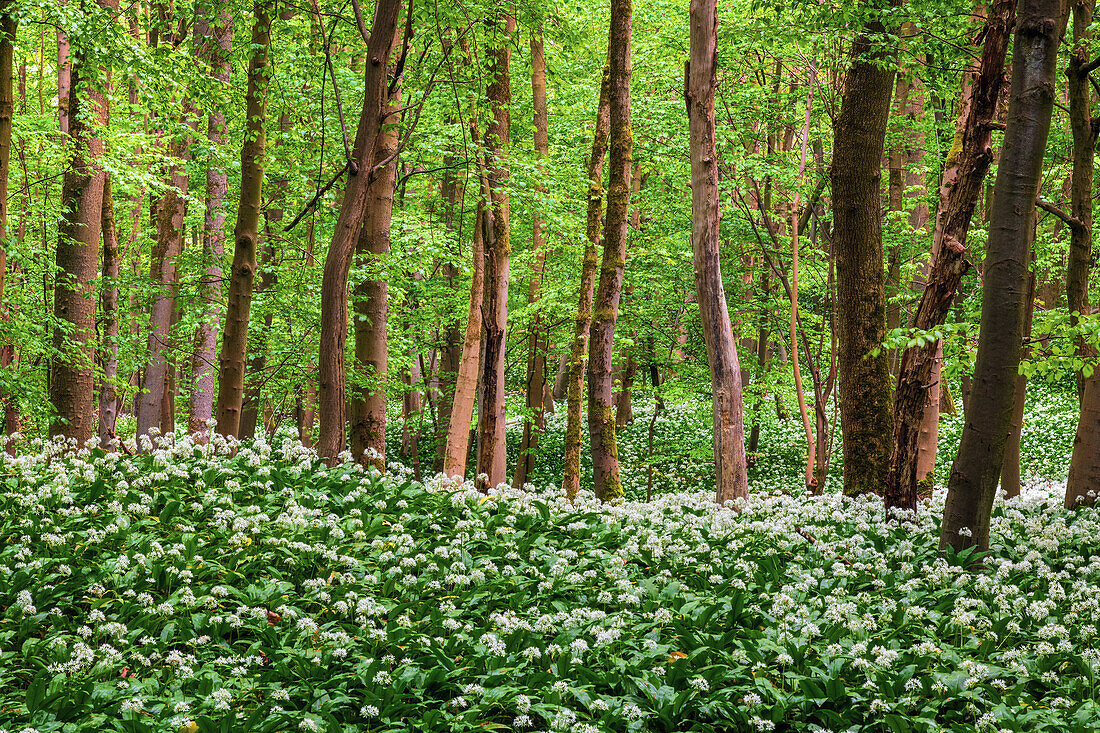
x=714, y=365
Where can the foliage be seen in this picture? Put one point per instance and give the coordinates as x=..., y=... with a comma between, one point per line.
x=261, y=591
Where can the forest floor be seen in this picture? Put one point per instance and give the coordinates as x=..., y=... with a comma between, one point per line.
x=191, y=590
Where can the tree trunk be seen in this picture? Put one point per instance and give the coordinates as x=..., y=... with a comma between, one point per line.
x=246, y=232
x=8, y=26
x=601, y=418
x=498, y=248
x=108, y=298
x=164, y=274
x=583, y=322
x=462, y=408
x=368, y=403
x=334, y=285
x=1010, y=466
x=214, y=41
x=725, y=374
x=859, y=134
x=70, y=384
x=538, y=337
x=960, y=188
x=252, y=402
x=1005, y=274
x=1084, y=466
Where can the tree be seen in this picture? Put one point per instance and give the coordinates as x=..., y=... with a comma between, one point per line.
x=334, y=294
x=77, y=258
x=977, y=466
x=859, y=138
x=582, y=325
x=961, y=185
x=246, y=232
x=538, y=333
x=214, y=42
x=601, y=417
x=498, y=249
x=725, y=373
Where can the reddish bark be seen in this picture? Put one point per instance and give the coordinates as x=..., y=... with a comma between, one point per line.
x=725, y=373
x=334, y=293
x=960, y=189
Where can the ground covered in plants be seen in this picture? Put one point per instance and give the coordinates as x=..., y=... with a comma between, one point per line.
x=191, y=590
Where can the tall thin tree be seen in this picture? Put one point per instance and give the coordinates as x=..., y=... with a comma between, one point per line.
x=977, y=466
x=601, y=416
x=701, y=78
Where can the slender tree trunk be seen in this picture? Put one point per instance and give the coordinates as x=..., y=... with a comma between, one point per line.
x=77, y=257
x=725, y=374
x=498, y=248
x=164, y=274
x=583, y=322
x=1011, y=478
x=1084, y=466
x=961, y=186
x=214, y=40
x=64, y=81
x=246, y=232
x=334, y=285
x=8, y=26
x=1005, y=274
x=462, y=408
x=368, y=412
x=108, y=298
x=601, y=418
x=860, y=132
x=538, y=337
x=252, y=402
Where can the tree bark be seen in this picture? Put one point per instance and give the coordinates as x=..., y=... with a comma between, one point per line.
x=108, y=298
x=859, y=137
x=981, y=449
x=462, y=408
x=246, y=232
x=77, y=256
x=214, y=41
x=334, y=285
x=8, y=26
x=368, y=403
x=1084, y=466
x=961, y=186
x=164, y=274
x=601, y=418
x=725, y=373
x=498, y=248
x=1011, y=478
x=538, y=334
x=582, y=324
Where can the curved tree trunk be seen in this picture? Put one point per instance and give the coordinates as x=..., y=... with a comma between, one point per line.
x=246, y=233
x=577, y=362
x=214, y=40
x=725, y=374
x=601, y=417
x=8, y=26
x=977, y=467
x=961, y=186
x=860, y=132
